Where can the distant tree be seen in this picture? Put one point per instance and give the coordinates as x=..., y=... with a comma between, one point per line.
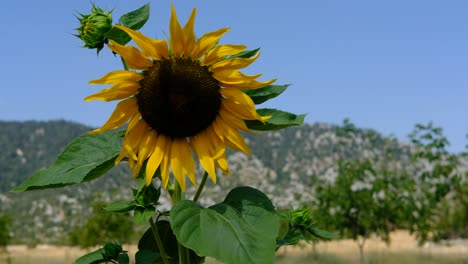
x=437, y=180
x=102, y=227
x=360, y=202
x=5, y=222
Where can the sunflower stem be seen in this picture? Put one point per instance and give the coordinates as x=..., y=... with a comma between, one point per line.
x=158, y=241
x=200, y=188
x=124, y=64
x=178, y=195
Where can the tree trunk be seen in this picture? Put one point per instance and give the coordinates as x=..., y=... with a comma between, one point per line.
x=361, y=250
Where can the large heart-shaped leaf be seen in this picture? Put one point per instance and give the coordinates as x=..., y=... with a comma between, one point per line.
x=241, y=229
x=85, y=158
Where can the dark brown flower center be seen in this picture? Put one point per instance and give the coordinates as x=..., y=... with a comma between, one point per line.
x=178, y=97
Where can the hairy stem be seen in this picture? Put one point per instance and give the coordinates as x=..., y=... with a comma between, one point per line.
x=200, y=188
x=154, y=228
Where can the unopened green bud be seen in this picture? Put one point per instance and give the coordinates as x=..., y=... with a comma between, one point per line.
x=301, y=218
x=94, y=28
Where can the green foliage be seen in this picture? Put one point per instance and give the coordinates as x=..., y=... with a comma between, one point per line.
x=266, y=93
x=451, y=215
x=432, y=188
x=278, y=120
x=144, y=204
x=134, y=20
x=241, y=229
x=102, y=226
x=5, y=223
x=149, y=253
x=85, y=158
x=110, y=253
x=355, y=205
x=301, y=226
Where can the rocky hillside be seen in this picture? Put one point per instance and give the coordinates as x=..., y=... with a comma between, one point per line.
x=284, y=164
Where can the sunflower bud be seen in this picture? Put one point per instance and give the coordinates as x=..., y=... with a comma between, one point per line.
x=94, y=28
x=301, y=218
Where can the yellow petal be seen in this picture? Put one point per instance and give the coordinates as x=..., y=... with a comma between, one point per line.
x=223, y=164
x=118, y=76
x=200, y=145
x=165, y=163
x=221, y=51
x=233, y=76
x=218, y=148
x=147, y=145
x=122, y=113
x=235, y=63
x=135, y=119
x=240, y=110
x=153, y=48
x=232, y=120
x=232, y=137
x=189, y=33
x=237, y=96
x=207, y=41
x=177, y=162
x=116, y=92
x=131, y=55
x=247, y=84
x=188, y=162
x=177, y=34
x=131, y=141
x=156, y=158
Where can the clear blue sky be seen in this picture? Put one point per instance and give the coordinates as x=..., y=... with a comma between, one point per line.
x=384, y=64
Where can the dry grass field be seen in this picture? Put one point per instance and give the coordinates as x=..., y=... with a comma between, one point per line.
x=402, y=250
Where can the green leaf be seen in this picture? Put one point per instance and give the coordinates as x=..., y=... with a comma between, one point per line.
x=94, y=257
x=241, y=229
x=147, y=257
x=279, y=119
x=148, y=251
x=84, y=159
x=120, y=206
x=134, y=20
x=123, y=258
x=245, y=54
x=266, y=93
x=118, y=36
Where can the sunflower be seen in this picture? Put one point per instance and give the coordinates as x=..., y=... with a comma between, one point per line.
x=180, y=98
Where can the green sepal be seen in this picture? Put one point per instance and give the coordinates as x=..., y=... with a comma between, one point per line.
x=290, y=238
x=86, y=158
x=134, y=20
x=278, y=120
x=266, y=93
x=245, y=54
x=241, y=229
x=322, y=234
